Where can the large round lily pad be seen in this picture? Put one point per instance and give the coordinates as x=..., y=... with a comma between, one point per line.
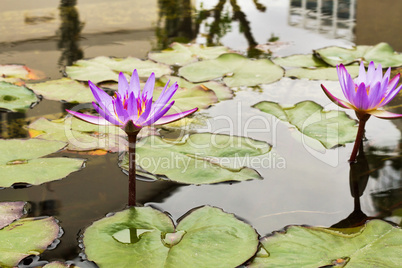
x=10, y=211
x=63, y=89
x=145, y=237
x=16, y=72
x=181, y=54
x=24, y=237
x=330, y=128
x=103, y=68
x=16, y=98
x=22, y=162
x=377, y=244
x=201, y=159
x=235, y=69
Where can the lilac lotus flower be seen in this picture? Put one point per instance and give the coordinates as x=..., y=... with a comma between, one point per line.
x=369, y=92
x=130, y=108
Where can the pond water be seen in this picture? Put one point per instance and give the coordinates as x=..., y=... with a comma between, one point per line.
x=302, y=182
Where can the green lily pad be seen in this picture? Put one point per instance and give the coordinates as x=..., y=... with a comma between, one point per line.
x=16, y=98
x=80, y=135
x=330, y=128
x=322, y=73
x=10, y=211
x=63, y=89
x=222, y=92
x=22, y=162
x=205, y=237
x=381, y=53
x=307, y=61
x=201, y=159
x=24, y=237
x=103, y=68
x=236, y=69
x=57, y=264
x=17, y=72
x=377, y=244
x=181, y=54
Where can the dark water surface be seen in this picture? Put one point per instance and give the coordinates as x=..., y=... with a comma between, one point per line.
x=303, y=183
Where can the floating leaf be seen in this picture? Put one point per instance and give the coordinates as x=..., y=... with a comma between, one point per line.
x=377, y=244
x=205, y=237
x=103, y=68
x=24, y=237
x=63, y=89
x=202, y=158
x=236, y=69
x=381, y=53
x=331, y=128
x=20, y=162
x=57, y=264
x=80, y=135
x=221, y=91
x=180, y=54
x=17, y=72
x=10, y=211
x=309, y=60
x=16, y=98
x=322, y=73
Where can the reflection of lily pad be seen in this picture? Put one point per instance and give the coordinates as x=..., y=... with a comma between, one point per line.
x=63, y=89
x=102, y=68
x=16, y=98
x=331, y=128
x=21, y=162
x=381, y=53
x=377, y=244
x=206, y=237
x=25, y=237
x=180, y=54
x=221, y=91
x=321, y=73
x=236, y=69
x=201, y=159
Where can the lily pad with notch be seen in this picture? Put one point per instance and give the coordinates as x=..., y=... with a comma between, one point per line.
x=202, y=158
x=376, y=244
x=16, y=98
x=146, y=237
x=330, y=128
x=23, y=237
x=22, y=162
x=235, y=69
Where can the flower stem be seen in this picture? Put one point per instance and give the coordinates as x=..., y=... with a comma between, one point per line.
x=360, y=132
x=132, y=139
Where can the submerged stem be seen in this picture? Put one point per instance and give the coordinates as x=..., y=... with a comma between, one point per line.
x=360, y=132
x=132, y=139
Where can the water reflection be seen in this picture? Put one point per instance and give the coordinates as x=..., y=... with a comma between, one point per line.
x=69, y=32
x=333, y=17
x=175, y=23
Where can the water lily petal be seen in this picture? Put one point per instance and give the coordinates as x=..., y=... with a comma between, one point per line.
x=123, y=85
x=173, y=117
x=145, y=114
x=102, y=98
x=164, y=98
x=148, y=88
x=121, y=113
x=155, y=117
x=110, y=118
x=377, y=75
x=90, y=118
x=132, y=109
x=384, y=114
x=344, y=78
x=335, y=100
x=370, y=73
x=135, y=84
x=375, y=96
x=391, y=95
x=362, y=74
x=362, y=102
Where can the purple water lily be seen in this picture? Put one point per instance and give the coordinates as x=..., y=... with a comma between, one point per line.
x=130, y=108
x=369, y=92
x=366, y=95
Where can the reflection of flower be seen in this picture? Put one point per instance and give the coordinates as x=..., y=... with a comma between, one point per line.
x=129, y=104
x=368, y=92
